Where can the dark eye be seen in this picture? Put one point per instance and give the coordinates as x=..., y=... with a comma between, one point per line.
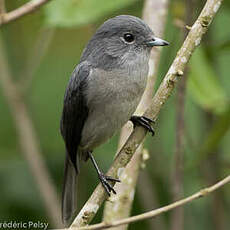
x=128, y=37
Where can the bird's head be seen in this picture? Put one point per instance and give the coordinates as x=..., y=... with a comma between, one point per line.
x=120, y=39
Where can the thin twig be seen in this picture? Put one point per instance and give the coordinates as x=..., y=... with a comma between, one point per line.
x=177, y=217
x=28, y=140
x=27, y=8
x=175, y=72
x=202, y=193
x=154, y=14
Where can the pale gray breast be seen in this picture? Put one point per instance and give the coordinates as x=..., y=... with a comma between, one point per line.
x=112, y=98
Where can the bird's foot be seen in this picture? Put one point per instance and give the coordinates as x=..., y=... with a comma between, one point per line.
x=105, y=183
x=143, y=121
x=103, y=178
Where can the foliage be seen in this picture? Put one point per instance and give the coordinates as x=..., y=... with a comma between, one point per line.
x=62, y=13
x=204, y=85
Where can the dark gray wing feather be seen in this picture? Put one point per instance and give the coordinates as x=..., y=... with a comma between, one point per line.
x=74, y=114
x=75, y=111
x=69, y=192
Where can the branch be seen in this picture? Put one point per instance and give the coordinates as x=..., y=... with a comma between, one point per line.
x=154, y=14
x=121, y=204
x=175, y=72
x=27, y=8
x=202, y=193
x=177, y=178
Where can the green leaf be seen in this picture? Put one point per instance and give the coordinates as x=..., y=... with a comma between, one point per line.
x=69, y=13
x=203, y=85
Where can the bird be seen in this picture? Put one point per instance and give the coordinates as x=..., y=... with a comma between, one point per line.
x=101, y=96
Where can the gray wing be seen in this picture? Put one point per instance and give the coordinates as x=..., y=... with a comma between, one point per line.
x=75, y=111
x=74, y=115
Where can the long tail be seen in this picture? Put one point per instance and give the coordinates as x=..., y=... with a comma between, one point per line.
x=69, y=192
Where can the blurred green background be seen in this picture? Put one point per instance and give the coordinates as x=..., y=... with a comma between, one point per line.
x=42, y=49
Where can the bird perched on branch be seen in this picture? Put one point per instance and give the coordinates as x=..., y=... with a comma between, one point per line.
x=102, y=95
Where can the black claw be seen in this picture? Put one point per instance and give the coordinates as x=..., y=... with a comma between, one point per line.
x=148, y=119
x=113, y=190
x=143, y=121
x=106, y=188
x=104, y=180
x=112, y=179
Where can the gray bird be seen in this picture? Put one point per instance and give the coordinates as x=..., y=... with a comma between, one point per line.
x=102, y=95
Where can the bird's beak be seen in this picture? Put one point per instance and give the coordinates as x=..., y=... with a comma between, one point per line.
x=157, y=42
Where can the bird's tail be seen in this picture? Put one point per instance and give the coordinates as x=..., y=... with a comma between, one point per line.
x=69, y=192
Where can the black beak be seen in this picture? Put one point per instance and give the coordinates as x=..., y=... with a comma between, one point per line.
x=157, y=42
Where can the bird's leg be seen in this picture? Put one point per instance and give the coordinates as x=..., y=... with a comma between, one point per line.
x=103, y=178
x=143, y=121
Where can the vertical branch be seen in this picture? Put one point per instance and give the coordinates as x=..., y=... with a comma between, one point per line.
x=177, y=219
x=28, y=140
x=154, y=14
x=119, y=205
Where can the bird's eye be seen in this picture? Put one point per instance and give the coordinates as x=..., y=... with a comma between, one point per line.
x=128, y=37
